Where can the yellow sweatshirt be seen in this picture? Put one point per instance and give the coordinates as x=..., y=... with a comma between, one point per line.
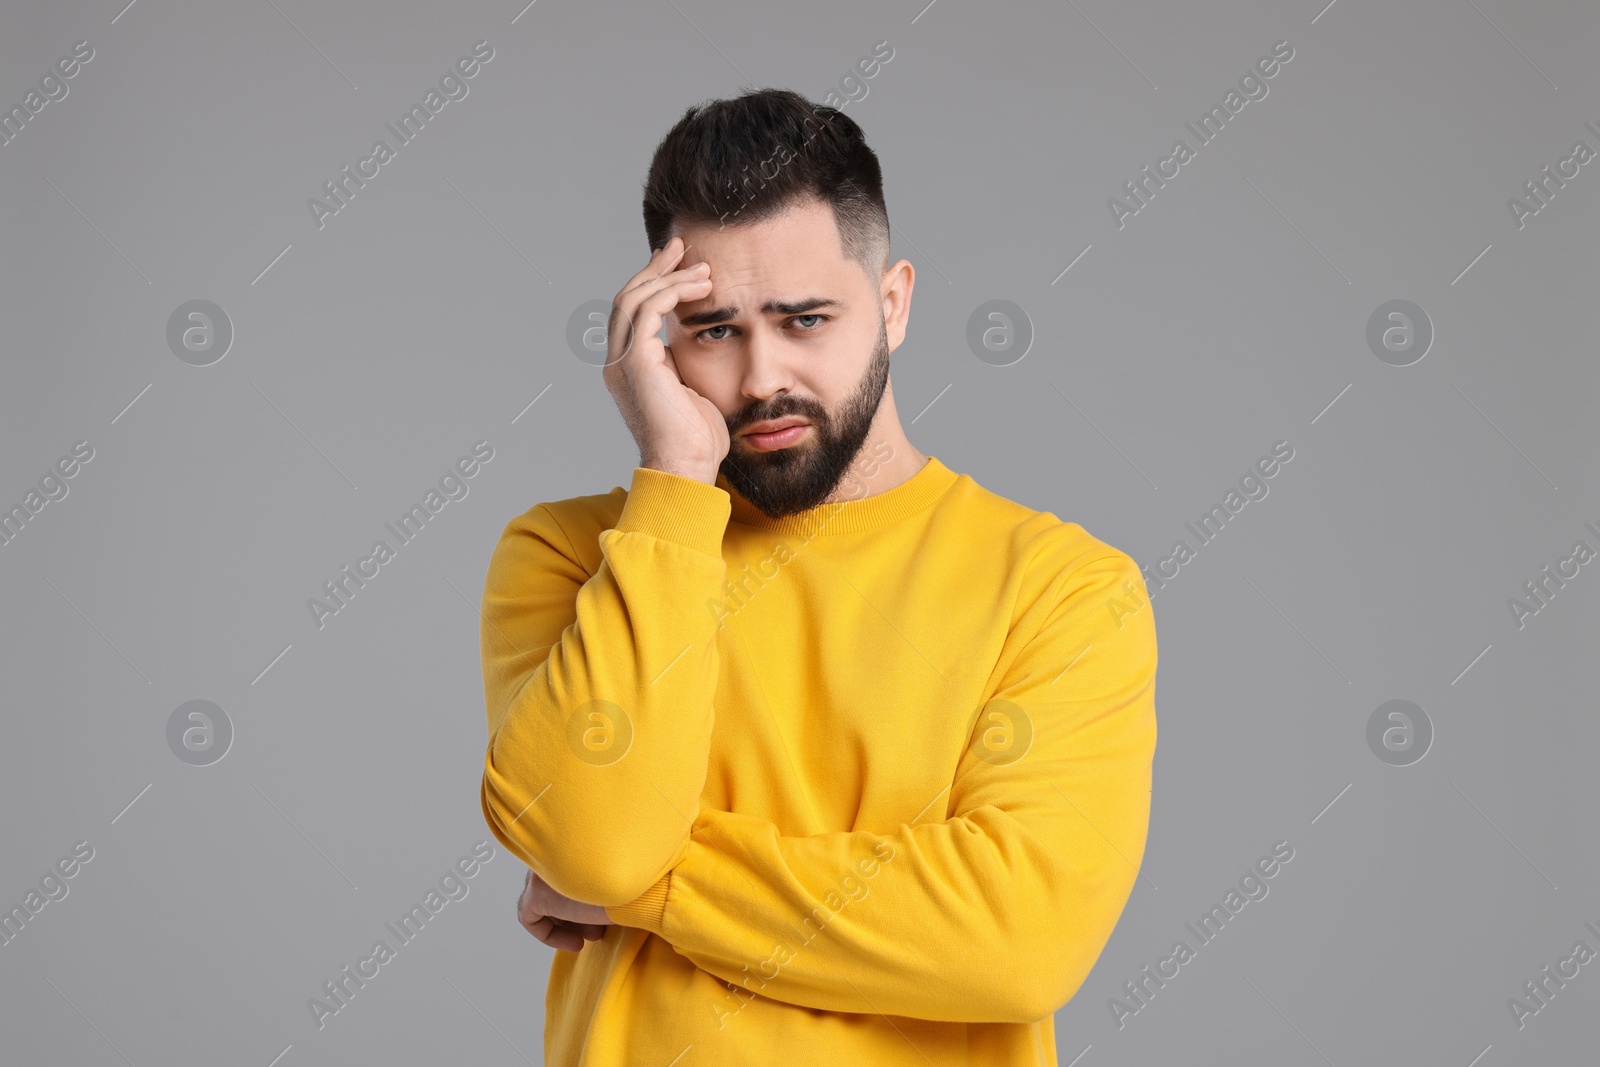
x=867, y=785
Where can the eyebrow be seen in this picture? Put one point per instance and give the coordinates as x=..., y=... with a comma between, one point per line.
x=771, y=307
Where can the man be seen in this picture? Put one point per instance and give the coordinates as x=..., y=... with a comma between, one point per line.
x=813, y=747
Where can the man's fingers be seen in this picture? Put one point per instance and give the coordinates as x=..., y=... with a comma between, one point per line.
x=659, y=272
x=558, y=933
x=658, y=275
x=525, y=912
x=661, y=261
x=642, y=307
x=563, y=936
x=554, y=933
x=630, y=302
x=645, y=319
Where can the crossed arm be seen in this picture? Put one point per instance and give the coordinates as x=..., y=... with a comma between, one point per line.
x=994, y=912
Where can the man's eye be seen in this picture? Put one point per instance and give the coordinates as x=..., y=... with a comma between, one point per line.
x=811, y=327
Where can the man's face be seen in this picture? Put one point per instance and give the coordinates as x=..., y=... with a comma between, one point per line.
x=791, y=328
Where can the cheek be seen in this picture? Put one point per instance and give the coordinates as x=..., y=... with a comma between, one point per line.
x=716, y=380
x=839, y=364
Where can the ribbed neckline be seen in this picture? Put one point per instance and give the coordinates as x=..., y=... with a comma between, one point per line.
x=849, y=516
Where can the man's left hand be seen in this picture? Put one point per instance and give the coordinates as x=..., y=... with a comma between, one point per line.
x=557, y=920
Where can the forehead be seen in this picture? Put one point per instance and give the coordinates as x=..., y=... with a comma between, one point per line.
x=795, y=254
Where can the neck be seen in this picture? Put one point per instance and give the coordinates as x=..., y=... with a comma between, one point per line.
x=887, y=457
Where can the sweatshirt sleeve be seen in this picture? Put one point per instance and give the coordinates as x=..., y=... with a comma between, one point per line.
x=599, y=687
x=998, y=912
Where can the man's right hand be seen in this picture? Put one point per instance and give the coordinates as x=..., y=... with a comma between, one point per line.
x=677, y=430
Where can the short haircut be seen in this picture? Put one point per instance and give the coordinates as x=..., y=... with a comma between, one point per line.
x=751, y=157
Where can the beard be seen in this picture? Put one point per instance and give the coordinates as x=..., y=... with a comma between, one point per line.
x=794, y=479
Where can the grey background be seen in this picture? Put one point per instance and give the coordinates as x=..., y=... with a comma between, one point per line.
x=1229, y=314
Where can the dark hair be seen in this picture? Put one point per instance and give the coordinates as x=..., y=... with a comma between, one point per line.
x=751, y=157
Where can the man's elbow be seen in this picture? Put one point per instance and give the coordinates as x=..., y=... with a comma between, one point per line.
x=1048, y=992
x=1002, y=984
x=1044, y=975
x=599, y=866
x=599, y=876
x=1024, y=994
x=1060, y=965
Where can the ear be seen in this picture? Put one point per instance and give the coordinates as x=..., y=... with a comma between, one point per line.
x=895, y=292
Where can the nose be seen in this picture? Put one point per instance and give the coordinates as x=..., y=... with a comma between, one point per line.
x=765, y=371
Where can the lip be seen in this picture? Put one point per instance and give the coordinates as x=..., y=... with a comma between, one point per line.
x=777, y=439
x=773, y=425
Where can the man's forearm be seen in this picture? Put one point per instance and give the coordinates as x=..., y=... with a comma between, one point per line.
x=598, y=751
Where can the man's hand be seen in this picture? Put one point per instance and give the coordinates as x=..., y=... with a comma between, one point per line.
x=677, y=430
x=559, y=921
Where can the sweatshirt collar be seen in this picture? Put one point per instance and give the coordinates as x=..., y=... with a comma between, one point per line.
x=849, y=516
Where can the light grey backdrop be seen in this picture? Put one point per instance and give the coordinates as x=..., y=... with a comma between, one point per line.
x=368, y=354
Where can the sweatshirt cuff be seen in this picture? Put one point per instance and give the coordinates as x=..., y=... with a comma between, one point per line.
x=648, y=911
x=678, y=509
